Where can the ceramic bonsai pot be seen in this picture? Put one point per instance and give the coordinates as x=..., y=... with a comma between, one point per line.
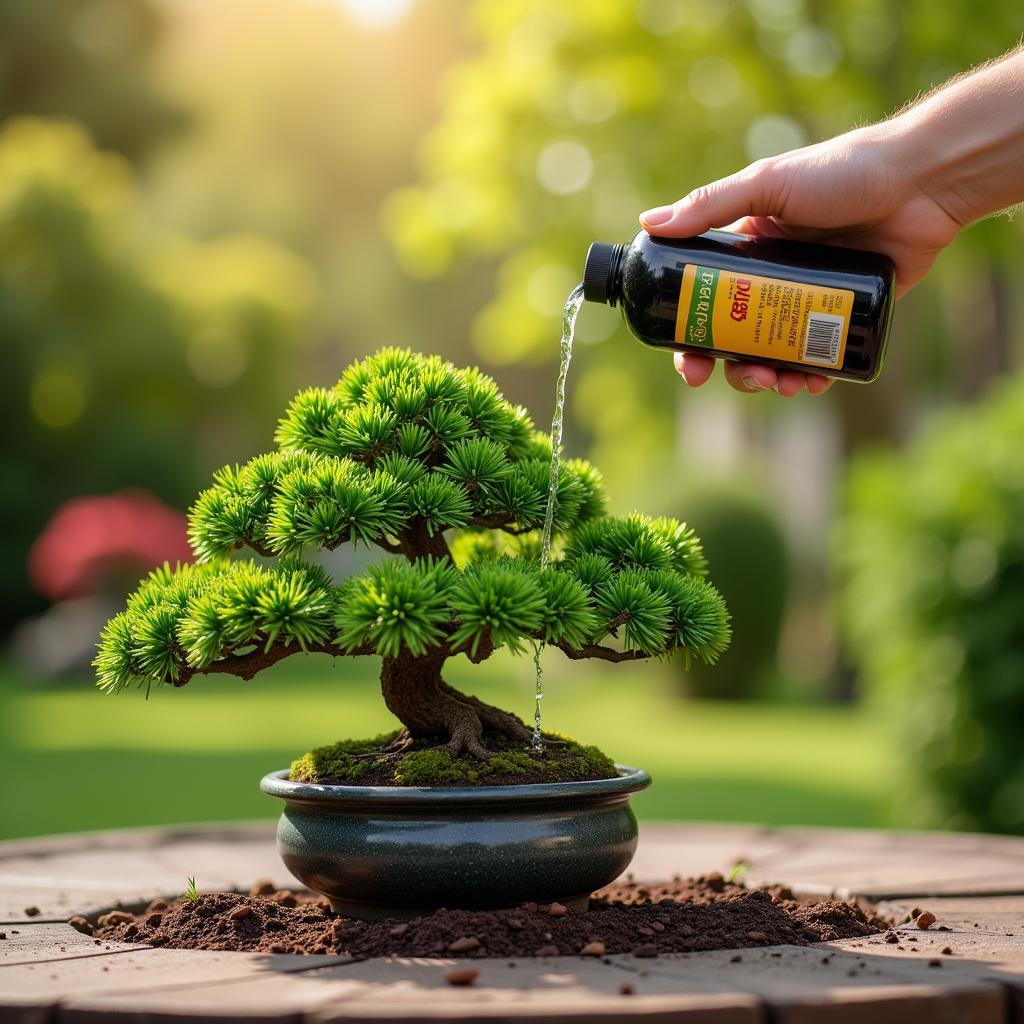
x=390, y=851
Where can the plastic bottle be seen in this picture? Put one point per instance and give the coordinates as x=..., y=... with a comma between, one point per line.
x=816, y=308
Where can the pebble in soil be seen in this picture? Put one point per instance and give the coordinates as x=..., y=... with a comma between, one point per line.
x=645, y=920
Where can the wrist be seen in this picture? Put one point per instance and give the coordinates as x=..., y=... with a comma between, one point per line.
x=963, y=146
x=889, y=152
x=925, y=164
x=913, y=157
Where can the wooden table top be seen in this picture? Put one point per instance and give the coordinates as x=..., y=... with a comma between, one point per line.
x=974, y=884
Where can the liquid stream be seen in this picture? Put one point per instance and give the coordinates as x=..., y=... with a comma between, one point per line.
x=569, y=314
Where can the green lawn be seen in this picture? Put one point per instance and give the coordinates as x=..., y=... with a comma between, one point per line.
x=73, y=758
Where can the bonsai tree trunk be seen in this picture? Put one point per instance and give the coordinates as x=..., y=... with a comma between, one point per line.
x=429, y=708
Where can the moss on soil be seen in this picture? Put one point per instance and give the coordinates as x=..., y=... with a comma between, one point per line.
x=561, y=760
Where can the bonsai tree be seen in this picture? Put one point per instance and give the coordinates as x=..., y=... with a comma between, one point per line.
x=433, y=465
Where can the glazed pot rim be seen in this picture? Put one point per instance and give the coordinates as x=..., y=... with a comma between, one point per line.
x=629, y=780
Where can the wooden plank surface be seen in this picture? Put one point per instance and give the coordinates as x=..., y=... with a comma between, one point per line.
x=31, y=987
x=415, y=989
x=46, y=967
x=892, y=864
x=39, y=942
x=789, y=981
x=839, y=984
x=84, y=874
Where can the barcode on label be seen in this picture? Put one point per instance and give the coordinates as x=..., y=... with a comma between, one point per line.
x=824, y=336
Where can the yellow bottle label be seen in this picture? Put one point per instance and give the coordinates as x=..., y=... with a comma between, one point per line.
x=763, y=317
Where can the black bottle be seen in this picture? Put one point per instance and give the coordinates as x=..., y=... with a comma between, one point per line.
x=817, y=308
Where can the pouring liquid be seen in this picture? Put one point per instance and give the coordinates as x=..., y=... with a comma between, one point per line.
x=569, y=314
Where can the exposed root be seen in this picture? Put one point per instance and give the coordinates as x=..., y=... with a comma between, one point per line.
x=464, y=724
x=492, y=718
x=428, y=707
x=464, y=740
x=495, y=720
x=402, y=743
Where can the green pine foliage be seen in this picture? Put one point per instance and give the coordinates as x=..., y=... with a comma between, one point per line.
x=180, y=621
x=402, y=450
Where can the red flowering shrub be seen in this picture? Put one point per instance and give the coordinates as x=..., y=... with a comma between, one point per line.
x=91, y=538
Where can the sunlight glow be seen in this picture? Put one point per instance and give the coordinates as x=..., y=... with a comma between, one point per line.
x=376, y=13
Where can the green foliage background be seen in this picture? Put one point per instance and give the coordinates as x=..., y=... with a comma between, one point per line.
x=932, y=547
x=91, y=62
x=204, y=205
x=170, y=268
x=131, y=356
x=617, y=107
x=573, y=117
x=744, y=542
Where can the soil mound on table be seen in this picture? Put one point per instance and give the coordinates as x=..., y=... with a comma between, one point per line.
x=643, y=919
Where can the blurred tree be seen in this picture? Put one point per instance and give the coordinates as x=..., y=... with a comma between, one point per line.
x=574, y=117
x=746, y=551
x=932, y=550
x=305, y=120
x=88, y=60
x=131, y=357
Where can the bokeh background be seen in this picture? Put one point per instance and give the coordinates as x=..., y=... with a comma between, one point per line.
x=205, y=206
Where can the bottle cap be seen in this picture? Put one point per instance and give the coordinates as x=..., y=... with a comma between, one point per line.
x=599, y=272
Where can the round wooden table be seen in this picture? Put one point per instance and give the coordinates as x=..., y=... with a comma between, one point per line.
x=974, y=884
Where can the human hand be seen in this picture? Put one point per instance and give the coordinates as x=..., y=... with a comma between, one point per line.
x=859, y=190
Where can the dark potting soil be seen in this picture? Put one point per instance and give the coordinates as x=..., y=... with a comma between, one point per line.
x=645, y=920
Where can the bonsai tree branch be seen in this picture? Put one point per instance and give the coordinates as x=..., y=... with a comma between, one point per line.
x=259, y=548
x=417, y=542
x=600, y=653
x=493, y=522
x=246, y=665
x=500, y=521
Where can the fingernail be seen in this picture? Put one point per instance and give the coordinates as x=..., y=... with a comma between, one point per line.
x=659, y=215
x=753, y=383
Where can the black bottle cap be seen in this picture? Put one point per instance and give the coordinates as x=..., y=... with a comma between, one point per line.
x=599, y=272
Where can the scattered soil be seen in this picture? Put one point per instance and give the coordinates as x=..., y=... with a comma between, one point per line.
x=645, y=920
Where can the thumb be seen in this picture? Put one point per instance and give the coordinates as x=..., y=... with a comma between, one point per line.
x=752, y=192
